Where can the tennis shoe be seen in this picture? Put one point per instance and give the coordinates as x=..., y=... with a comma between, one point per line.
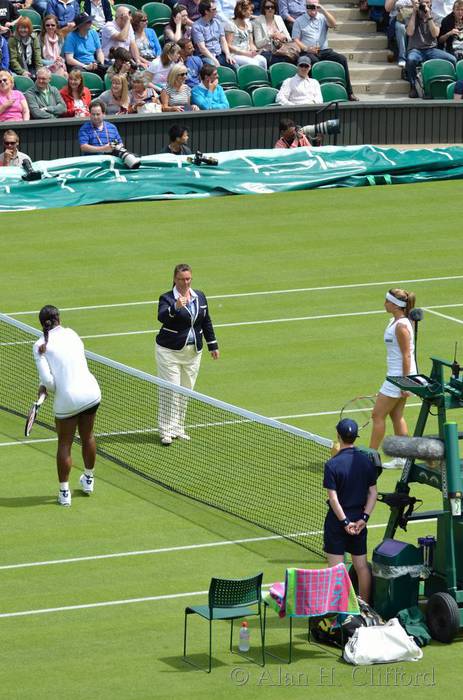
x=166, y=440
x=396, y=463
x=87, y=483
x=64, y=497
x=182, y=436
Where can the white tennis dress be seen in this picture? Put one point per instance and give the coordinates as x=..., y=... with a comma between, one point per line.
x=63, y=370
x=394, y=356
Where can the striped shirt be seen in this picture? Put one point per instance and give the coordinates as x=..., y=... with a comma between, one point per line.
x=178, y=98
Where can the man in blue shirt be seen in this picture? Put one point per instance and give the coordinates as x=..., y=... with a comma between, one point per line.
x=209, y=94
x=192, y=62
x=208, y=36
x=98, y=136
x=310, y=32
x=350, y=479
x=290, y=10
x=82, y=47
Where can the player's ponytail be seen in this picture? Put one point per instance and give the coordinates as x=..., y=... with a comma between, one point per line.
x=408, y=297
x=49, y=318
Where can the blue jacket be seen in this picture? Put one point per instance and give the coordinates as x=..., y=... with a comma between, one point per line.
x=64, y=12
x=205, y=99
x=154, y=41
x=106, y=5
x=177, y=323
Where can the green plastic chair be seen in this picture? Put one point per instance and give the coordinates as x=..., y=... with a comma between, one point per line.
x=238, y=98
x=34, y=17
x=451, y=91
x=157, y=13
x=334, y=92
x=107, y=82
x=329, y=72
x=93, y=82
x=437, y=73
x=459, y=70
x=227, y=77
x=252, y=77
x=23, y=83
x=264, y=96
x=229, y=599
x=279, y=72
x=132, y=8
x=58, y=81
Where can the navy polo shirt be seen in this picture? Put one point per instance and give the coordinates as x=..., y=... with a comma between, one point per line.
x=350, y=473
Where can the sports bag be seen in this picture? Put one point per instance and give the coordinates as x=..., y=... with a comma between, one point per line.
x=381, y=645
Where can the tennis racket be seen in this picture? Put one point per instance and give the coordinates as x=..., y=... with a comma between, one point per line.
x=359, y=409
x=32, y=415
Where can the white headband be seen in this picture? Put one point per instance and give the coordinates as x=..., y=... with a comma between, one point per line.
x=398, y=302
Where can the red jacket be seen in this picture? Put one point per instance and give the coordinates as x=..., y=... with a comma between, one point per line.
x=69, y=101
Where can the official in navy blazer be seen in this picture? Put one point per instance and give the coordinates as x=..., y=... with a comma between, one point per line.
x=185, y=319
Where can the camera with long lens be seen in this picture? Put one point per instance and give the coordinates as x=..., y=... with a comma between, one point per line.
x=31, y=174
x=200, y=159
x=130, y=160
x=331, y=126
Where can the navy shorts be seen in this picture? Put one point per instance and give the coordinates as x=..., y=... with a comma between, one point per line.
x=86, y=412
x=337, y=541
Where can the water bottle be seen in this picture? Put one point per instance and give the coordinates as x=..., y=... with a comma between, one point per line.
x=244, y=643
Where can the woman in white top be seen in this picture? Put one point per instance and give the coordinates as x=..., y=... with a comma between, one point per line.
x=400, y=348
x=159, y=69
x=62, y=367
x=238, y=33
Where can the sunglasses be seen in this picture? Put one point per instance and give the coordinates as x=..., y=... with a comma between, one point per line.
x=10, y=143
x=312, y=7
x=50, y=26
x=183, y=75
x=4, y=80
x=269, y=7
x=144, y=20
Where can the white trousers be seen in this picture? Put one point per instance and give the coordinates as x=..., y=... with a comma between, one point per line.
x=179, y=367
x=249, y=61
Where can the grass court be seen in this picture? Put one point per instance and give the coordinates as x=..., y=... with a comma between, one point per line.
x=93, y=596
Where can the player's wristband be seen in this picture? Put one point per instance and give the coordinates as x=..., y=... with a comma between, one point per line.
x=365, y=517
x=345, y=522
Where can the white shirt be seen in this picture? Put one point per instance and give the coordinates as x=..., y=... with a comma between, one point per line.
x=299, y=91
x=63, y=370
x=394, y=353
x=107, y=42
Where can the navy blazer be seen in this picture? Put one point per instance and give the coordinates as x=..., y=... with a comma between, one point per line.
x=177, y=323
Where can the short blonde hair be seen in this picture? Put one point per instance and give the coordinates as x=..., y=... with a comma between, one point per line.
x=174, y=73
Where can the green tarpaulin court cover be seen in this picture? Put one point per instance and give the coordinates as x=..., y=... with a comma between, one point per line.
x=89, y=180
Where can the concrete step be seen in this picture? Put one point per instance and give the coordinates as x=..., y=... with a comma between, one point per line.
x=380, y=87
x=353, y=27
x=343, y=14
x=374, y=71
x=379, y=56
x=347, y=43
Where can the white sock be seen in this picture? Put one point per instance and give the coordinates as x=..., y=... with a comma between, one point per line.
x=88, y=472
x=64, y=485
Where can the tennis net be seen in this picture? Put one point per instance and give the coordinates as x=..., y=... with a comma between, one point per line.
x=255, y=468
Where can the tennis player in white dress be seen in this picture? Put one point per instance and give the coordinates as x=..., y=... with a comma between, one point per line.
x=400, y=349
x=63, y=371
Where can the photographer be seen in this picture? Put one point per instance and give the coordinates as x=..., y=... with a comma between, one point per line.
x=97, y=135
x=11, y=155
x=178, y=139
x=422, y=35
x=291, y=136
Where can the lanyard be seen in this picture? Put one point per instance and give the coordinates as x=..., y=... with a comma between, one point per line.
x=97, y=135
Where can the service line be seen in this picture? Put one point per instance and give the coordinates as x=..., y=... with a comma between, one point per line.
x=356, y=285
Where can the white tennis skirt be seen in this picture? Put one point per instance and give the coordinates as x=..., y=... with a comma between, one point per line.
x=391, y=390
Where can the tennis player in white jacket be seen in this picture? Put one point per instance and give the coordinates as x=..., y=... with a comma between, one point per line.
x=63, y=371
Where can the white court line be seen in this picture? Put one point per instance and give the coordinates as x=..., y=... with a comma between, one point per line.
x=155, y=430
x=449, y=318
x=129, y=601
x=252, y=294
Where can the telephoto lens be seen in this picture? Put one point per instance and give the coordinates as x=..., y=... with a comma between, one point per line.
x=331, y=126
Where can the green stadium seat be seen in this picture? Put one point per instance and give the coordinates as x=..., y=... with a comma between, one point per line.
x=329, y=72
x=58, y=81
x=34, y=17
x=252, y=77
x=132, y=8
x=229, y=599
x=157, y=13
x=333, y=92
x=227, y=77
x=450, y=91
x=279, y=72
x=459, y=70
x=93, y=82
x=238, y=98
x=107, y=82
x=437, y=74
x=264, y=96
x=22, y=83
